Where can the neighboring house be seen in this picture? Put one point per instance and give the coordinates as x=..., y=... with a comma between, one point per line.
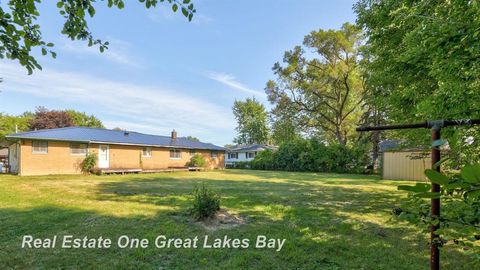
x=242, y=153
x=403, y=164
x=62, y=151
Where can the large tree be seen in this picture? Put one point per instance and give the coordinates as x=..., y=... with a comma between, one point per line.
x=252, y=121
x=320, y=82
x=20, y=30
x=48, y=119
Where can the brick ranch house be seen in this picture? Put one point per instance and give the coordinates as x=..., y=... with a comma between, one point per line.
x=62, y=151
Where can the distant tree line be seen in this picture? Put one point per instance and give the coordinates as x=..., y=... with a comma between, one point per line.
x=43, y=118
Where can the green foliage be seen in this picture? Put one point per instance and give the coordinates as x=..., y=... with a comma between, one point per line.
x=20, y=30
x=421, y=58
x=251, y=121
x=205, y=202
x=197, y=161
x=240, y=165
x=460, y=200
x=284, y=127
x=83, y=120
x=320, y=87
x=312, y=156
x=9, y=123
x=89, y=163
x=193, y=139
x=48, y=119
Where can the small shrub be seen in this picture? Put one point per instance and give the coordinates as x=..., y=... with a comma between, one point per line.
x=241, y=165
x=89, y=163
x=197, y=161
x=205, y=202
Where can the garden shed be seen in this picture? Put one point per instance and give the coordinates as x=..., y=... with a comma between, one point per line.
x=405, y=164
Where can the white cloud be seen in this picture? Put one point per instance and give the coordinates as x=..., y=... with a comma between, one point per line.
x=117, y=51
x=231, y=81
x=162, y=14
x=141, y=108
x=202, y=19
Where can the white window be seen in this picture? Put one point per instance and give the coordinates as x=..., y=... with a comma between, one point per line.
x=251, y=154
x=80, y=149
x=39, y=147
x=175, y=154
x=213, y=154
x=232, y=155
x=192, y=152
x=147, y=152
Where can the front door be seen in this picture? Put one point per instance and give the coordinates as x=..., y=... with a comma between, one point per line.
x=104, y=156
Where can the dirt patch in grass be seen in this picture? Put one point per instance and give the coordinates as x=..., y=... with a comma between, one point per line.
x=223, y=220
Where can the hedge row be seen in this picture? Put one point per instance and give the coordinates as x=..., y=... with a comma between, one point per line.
x=309, y=155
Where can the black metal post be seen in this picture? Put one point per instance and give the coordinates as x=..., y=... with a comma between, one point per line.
x=435, y=211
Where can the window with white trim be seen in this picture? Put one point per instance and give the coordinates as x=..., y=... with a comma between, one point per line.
x=80, y=149
x=146, y=152
x=232, y=155
x=192, y=152
x=213, y=154
x=175, y=154
x=251, y=154
x=39, y=147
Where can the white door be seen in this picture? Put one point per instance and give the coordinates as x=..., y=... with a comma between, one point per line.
x=104, y=156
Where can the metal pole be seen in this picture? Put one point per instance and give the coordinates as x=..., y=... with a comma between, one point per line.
x=435, y=211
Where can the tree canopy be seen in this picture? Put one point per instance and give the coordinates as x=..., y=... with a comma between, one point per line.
x=20, y=30
x=192, y=138
x=422, y=64
x=320, y=84
x=9, y=124
x=44, y=119
x=252, y=121
x=82, y=119
x=48, y=119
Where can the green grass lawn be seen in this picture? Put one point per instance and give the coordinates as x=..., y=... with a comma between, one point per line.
x=329, y=221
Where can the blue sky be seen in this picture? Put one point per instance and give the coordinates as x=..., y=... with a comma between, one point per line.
x=163, y=72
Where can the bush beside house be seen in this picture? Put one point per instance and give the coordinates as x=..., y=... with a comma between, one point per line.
x=197, y=161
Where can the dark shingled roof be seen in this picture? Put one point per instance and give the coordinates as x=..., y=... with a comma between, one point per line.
x=100, y=135
x=387, y=145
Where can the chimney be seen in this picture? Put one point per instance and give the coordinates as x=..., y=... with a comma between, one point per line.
x=174, y=135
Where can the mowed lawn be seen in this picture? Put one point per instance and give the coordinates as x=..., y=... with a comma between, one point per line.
x=329, y=221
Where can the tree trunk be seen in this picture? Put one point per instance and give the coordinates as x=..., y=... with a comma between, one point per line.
x=340, y=138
